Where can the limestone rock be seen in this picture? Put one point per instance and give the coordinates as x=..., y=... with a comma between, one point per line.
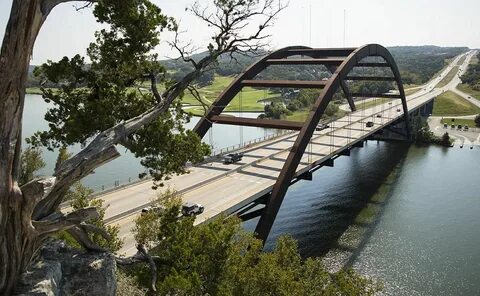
x=63, y=271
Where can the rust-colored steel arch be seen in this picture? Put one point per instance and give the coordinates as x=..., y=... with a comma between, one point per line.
x=340, y=61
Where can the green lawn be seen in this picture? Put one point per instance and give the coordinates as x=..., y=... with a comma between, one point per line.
x=250, y=97
x=449, y=77
x=33, y=91
x=449, y=103
x=461, y=60
x=469, y=90
x=463, y=122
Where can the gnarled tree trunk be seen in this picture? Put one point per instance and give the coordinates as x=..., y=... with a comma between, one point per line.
x=18, y=238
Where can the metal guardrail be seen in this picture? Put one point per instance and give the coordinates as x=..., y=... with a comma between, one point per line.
x=130, y=181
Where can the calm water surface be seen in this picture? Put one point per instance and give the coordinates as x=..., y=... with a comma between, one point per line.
x=420, y=234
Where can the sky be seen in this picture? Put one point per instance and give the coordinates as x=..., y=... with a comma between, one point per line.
x=316, y=23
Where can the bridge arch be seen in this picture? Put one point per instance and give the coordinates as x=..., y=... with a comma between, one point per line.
x=341, y=62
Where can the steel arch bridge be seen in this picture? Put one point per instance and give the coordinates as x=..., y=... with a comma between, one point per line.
x=340, y=62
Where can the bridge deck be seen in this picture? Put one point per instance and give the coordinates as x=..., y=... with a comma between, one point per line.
x=226, y=188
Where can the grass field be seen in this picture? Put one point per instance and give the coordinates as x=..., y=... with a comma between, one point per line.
x=250, y=97
x=461, y=60
x=448, y=78
x=469, y=90
x=449, y=103
x=33, y=91
x=463, y=122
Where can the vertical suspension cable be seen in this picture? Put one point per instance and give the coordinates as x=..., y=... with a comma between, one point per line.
x=240, y=113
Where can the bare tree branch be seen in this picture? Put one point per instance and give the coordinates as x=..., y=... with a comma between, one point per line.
x=57, y=221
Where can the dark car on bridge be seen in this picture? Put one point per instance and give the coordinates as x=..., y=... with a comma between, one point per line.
x=369, y=124
x=232, y=158
x=192, y=209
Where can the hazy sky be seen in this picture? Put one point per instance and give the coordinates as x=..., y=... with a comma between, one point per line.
x=388, y=22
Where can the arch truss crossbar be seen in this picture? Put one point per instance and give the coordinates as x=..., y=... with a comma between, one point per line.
x=340, y=62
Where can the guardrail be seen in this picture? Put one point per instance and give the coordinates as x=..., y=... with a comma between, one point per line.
x=130, y=181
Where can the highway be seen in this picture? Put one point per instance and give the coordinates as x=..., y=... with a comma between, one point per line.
x=226, y=188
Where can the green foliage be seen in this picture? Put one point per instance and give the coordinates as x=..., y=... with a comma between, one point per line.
x=219, y=258
x=418, y=64
x=63, y=155
x=31, y=162
x=275, y=110
x=477, y=120
x=423, y=134
x=97, y=96
x=472, y=75
x=80, y=198
x=127, y=286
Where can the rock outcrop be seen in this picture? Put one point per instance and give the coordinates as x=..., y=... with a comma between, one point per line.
x=62, y=271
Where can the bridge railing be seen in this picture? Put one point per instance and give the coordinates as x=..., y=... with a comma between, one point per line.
x=132, y=180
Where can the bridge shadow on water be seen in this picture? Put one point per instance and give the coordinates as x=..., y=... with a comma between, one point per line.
x=335, y=214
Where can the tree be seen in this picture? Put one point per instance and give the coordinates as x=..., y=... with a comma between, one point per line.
x=63, y=155
x=275, y=110
x=446, y=140
x=477, y=120
x=31, y=162
x=219, y=258
x=101, y=105
x=103, y=236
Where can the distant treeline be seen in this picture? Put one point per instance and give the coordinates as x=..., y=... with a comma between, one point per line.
x=417, y=65
x=472, y=76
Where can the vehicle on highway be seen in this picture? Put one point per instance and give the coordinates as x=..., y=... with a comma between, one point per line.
x=379, y=115
x=321, y=126
x=369, y=124
x=398, y=110
x=453, y=126
x=445, y=125
x=192, y=209
x=232, y=158
x=465, y=127
x=153, y=209
x=459, y=126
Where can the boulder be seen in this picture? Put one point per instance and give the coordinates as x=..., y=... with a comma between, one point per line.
x=61, y=271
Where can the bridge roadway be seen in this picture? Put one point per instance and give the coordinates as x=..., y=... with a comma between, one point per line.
x=226, y=188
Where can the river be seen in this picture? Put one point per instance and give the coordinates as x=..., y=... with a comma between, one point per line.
x=405, y=215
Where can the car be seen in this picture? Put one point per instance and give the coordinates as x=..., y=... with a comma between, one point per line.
x=369, y=124
x=192, y=209
x=445, y=125
x=321, y=126
x=398, y=110
x=232, y=158
x=459, y=126
x=465, y=127
x=453, y=126
x=389, y=103
x=153, y=209
x=379, y=115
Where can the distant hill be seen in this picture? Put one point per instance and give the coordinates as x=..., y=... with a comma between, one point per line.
x=417, y=65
